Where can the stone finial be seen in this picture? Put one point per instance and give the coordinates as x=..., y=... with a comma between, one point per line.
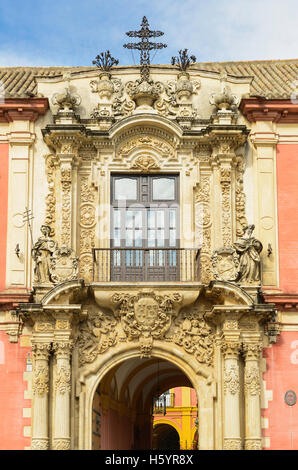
x=66, y=100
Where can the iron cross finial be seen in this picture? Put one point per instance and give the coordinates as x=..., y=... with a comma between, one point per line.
x=144, y=46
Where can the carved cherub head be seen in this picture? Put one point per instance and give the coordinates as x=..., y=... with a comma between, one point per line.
x=45, y=230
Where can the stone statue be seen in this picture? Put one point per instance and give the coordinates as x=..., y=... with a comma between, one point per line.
x=42, y=253
x=249, y=249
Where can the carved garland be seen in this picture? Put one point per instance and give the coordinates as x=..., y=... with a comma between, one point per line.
x=231, y=379
x=203, y=224
x=252, y=380
x=62, y=380
x=50, y=217
x=87, y=227
x=241, y=220
x=225, y=181
x=66, y=204
x=40, y=384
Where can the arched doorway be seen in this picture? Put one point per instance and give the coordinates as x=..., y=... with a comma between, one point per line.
x=123, y=403
x=165, y=437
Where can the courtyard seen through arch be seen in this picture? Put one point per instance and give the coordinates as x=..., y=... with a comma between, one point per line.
x=144, y=404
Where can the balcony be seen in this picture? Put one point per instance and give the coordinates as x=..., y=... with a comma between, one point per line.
x=146, y=265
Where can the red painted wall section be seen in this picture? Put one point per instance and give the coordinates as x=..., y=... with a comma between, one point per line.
x=12, y=402
x=4, y=149
x=282, y=375
x=123, y=438
x=287, y=205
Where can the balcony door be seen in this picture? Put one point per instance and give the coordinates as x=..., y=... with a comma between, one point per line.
x=144, y=228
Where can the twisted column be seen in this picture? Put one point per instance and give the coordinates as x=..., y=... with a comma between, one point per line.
x=252, y=390
x=40, y=425
x=232, y=436
x=62, y=387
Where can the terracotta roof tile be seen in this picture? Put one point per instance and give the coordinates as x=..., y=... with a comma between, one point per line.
x=271, y=78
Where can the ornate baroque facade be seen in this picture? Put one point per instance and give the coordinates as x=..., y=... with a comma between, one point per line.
x=85, y=321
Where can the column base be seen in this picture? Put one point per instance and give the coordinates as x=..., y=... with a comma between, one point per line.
x=232, y=444
x=39, y=443
x=61, y=443
x=253, y=444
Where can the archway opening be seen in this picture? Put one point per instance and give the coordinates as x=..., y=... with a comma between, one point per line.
x=165, y=437
x=123, y=416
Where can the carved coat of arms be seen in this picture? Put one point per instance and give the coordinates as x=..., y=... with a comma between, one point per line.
x=225, y=264
x=145, y=316
x=64, y=265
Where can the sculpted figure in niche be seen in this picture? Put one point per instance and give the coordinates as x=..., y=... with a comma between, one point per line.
x=41, y=253
x=249, y=249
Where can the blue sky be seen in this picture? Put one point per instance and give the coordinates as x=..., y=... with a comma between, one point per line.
x=72, y=32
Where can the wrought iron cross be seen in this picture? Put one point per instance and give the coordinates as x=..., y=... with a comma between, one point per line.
x=144, y=46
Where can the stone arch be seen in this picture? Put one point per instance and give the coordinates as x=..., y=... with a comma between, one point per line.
x=152, y=120
x=202, y=382
x=172, y=424
x=65, y=289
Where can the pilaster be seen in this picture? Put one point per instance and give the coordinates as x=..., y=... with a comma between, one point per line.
x=231, y=349
x=252, y=390
x=40, y=424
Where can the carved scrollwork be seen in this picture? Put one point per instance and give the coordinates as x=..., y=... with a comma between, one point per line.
x=195, y=336
x=97, y=334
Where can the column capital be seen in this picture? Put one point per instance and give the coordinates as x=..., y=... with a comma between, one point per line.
x=230, y=348
x=41, y=350
x=252, y=350
x=62, y=349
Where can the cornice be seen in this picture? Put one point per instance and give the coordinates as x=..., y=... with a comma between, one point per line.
x=23, y=109
x=275, y=110
x=283, y=302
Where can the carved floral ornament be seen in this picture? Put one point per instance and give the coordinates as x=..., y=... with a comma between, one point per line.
x=195, y=336
x=117, y=98
x=231, y=379
x=146, y=143
x=143, y=318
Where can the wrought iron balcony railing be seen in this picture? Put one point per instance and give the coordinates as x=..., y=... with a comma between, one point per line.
x=164, y=401
x=145, y=264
